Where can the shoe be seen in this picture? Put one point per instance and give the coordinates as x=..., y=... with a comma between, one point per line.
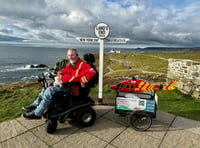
x=31, y=115
x=29, y=108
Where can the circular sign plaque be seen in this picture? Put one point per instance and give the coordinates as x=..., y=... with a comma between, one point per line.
x=102, y=30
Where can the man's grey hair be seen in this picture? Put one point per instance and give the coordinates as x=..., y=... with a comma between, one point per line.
x=73, y=49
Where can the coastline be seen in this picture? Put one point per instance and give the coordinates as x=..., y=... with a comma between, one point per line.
x=24, y=74
x=22, y=93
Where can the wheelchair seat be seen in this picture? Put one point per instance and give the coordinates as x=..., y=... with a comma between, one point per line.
x=69, y=99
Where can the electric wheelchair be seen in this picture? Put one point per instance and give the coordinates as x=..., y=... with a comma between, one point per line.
x=70, y=106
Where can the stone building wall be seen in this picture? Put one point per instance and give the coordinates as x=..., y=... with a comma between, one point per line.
x=187, y=72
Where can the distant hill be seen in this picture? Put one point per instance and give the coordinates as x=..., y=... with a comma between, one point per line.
x=184, y=49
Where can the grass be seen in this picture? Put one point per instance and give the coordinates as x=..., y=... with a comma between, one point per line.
x=178, y=103
x=117, y=66
x=14, y=96
x=143, y=61
x=147, y=61
x=179, y=55
x=107, y=92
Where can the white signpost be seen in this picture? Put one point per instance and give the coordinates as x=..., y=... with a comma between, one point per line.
x=102, y=31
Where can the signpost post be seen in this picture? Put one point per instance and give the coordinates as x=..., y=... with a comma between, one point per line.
x=102, y=31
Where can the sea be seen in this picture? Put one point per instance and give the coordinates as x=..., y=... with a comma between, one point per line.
x=16, y=60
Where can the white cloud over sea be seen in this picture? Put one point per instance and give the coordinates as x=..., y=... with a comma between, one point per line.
x=145, y=22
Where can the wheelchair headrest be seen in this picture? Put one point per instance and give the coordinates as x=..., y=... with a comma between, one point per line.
x=89, y=58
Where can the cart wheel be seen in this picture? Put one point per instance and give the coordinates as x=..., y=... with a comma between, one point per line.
x=140, y=120
x=51, y=125
x=86, y=117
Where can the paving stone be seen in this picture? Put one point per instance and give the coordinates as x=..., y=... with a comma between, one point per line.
x=164, y=117
x=195, y=130
x=81, y=139
x=157, y=130
x=181, y=139
x=27, y=140
x=184, y=123
x=63, y=130
x=105, y=129
x=102, y=109
x=10, y=129
x=110, y=146
x=117, y=118
x=29, y=124
x=135, y=139
x=109, y=131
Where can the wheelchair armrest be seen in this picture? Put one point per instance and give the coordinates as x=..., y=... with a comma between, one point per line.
x=71, y=85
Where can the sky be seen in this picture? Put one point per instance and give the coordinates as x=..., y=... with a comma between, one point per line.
x=145, y=22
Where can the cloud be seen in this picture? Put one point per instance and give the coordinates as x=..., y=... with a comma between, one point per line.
x=6, y=31
x=144, y=22
x=10, y=38
x=23, y=9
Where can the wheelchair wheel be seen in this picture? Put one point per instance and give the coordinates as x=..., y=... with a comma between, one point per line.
x=140, y=120
x=51, y=125
x=86, y=117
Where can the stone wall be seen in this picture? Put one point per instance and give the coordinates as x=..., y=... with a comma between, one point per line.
x=187, y=72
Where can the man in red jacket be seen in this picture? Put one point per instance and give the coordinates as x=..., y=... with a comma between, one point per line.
x=76, y=71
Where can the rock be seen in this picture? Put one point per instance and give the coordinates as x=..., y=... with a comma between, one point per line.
x=36, y=66
x=41, y=66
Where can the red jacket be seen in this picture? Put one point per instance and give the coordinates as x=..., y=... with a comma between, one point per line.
x=80, y=72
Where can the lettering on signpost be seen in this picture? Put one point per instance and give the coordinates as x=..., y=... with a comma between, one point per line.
x=116, y=40
x=102, y=30
x=91, y=40
x=107, y=40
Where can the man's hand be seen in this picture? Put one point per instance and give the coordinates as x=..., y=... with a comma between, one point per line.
x=57, y=82
x=82, y=85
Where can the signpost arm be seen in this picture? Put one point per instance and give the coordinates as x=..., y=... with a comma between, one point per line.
x=101, y=55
